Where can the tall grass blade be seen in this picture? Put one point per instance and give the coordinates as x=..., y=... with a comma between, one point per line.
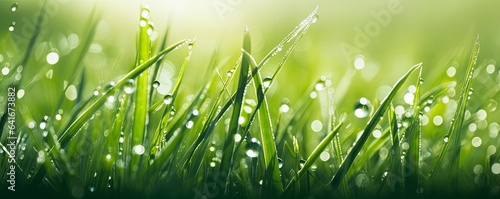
x=344, y=168
x=268, y=143
x=228, y=150
x=69, y=132
x=412, y=137
x=313, y=157
x=141, y=103
x=454, y=132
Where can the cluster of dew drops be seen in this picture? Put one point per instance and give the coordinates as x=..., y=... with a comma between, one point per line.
x=13, y=8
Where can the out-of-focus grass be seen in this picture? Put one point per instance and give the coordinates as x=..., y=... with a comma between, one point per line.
x=120, y=114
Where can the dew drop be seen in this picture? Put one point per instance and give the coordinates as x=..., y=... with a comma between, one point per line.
x=252, y=148
x=362, y=108
x=313, y=95
x=156, y=84
x=189, y=124
x=143, y=23
x=129, y=86
x=471, y=90
x=138, y=149
x=230, y=72
x=12, y=26
x=315, y=18
x=280, y=163
x=168, y=99
x=145, y=13
x=421, y=80
x=320, y=85
x=13, y=7
x=108, y=157
x=301, y=163
x=446, y=138
x=266, y=82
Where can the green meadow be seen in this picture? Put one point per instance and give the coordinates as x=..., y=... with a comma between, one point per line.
x=249, y=99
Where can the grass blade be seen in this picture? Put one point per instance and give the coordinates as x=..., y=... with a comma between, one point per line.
x=313, y=157
x=141, y=92
x=69, y=132
x=344, y=168
x=228, y=150
x=454, y=133
x=412, y=137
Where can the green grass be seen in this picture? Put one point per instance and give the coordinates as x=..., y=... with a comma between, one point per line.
x=230, y=137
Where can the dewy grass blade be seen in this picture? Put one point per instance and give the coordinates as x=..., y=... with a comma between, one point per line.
x=268, y=143
x=169, y=100
x=313, y=157
x=344, y=168
x=412, y=137
x=299, y=30
x=454, y=133
x=141, y=104
x=228, y=150
x=69, y=132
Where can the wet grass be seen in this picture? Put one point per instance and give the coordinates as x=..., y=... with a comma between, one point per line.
x=124, y=140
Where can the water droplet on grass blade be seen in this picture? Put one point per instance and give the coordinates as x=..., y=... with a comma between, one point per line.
x=189, y=124
x=266, y=82
x=156, y=84
x=280, y=163
x=315, y=18
x=230, y=72
x=252, y=148
x=13, y=7
x=301, y=163
x=446, y=138
x=168, y=99
x=12, y=26
x=362, y=108
x=129, y=86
